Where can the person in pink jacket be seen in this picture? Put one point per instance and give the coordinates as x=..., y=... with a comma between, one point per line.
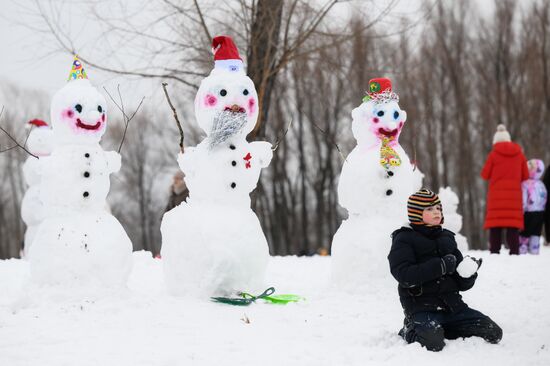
x=534, y=203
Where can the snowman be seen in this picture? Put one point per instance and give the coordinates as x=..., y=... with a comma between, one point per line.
x=213, y=243
x=453, y=220
x=376, y=180
x=39, y=143
x=79, y=241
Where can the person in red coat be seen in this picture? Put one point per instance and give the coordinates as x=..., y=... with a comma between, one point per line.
x=505, y=169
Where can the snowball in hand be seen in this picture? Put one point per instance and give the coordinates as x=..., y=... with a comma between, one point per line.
x=467, y=268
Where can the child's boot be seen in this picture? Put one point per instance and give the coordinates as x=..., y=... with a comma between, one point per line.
x=534, y=244
x=523, y=244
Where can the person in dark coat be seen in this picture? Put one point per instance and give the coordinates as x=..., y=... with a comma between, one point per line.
x=431, y=272
x=178, y=191
x=546, y=181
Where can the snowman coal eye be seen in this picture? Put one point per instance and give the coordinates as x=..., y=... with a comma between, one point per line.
x=396, y=115
x=223, y=92
x=380, y=113
x=78, y=108
x=245, y=92
x=99, y=109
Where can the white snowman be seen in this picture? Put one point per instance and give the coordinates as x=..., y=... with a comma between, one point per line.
x=376, y=180
x=79, y=241
x=453, y=220
x=39, y=143
x=213, y=243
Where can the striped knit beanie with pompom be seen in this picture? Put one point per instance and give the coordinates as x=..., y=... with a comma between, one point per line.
x=419, y=201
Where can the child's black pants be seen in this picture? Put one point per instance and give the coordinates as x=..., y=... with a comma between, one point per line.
x=431, y=328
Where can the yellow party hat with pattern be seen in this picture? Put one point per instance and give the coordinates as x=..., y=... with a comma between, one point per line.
x=77, y=70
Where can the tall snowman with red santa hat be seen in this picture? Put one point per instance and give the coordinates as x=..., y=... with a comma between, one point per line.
x=39, y=143
x=376, y=180
x=213, y=243
x=79, y=241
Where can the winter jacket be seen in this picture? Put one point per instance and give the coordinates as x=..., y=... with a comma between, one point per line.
x=415, y=262
x=176, y=198
x=546, y=181
x=505, y=169
x=534, y=191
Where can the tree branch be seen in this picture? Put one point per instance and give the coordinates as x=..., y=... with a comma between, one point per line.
x=13, y=139
x=175, y=115
x=126, y=118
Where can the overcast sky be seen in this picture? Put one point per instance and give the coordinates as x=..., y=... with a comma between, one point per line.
x=27, y=59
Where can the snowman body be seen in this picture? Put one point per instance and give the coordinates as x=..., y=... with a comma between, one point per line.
x=452, y=219
x=79, y=241
x=39, y=143
x=375, y=195
x=213, y=244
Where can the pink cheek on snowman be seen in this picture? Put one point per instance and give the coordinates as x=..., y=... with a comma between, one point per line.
x=210, y=100
x=401, y=124
x=103, y=117
x=375, y=120
x=67, y=114
x=251, y=106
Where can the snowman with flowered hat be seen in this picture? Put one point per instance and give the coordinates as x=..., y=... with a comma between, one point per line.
x=376, y=180
x=79, y=241
x=213, y=243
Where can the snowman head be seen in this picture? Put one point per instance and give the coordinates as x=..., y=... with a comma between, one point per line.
x=78, y=112
x=227, y=88
x=379, y=116
x=40, y=138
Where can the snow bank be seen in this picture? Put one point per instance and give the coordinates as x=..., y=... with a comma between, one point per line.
x=146, y=326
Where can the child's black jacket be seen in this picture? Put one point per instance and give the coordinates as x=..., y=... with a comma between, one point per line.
x=415, y=262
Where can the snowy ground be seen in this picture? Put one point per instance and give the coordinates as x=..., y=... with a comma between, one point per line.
x=146, y=326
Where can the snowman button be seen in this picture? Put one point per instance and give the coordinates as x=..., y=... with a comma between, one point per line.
x=389, y=192
x=233, y=185
x=87, y=155
x=390, y=173
x=86, y=174
x=234, y=163
x=85, y=194
x=232, y=147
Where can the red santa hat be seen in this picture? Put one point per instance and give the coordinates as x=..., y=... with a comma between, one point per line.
x=226, y=54
x=36, y=123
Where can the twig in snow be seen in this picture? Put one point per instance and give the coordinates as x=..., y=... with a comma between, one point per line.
x=245, y=319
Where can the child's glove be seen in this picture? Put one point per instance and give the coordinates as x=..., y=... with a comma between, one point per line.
x=448, y=264
x=469, y=266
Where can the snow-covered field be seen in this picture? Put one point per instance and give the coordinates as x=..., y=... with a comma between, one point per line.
x=146, y=326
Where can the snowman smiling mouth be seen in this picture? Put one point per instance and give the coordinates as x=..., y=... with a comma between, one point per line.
x=235, y=109
x=87, y=127
x=389, y=133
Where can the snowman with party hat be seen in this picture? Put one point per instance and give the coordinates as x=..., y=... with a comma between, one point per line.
x=213, y=244
x=376, y=180
x=79, y=241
